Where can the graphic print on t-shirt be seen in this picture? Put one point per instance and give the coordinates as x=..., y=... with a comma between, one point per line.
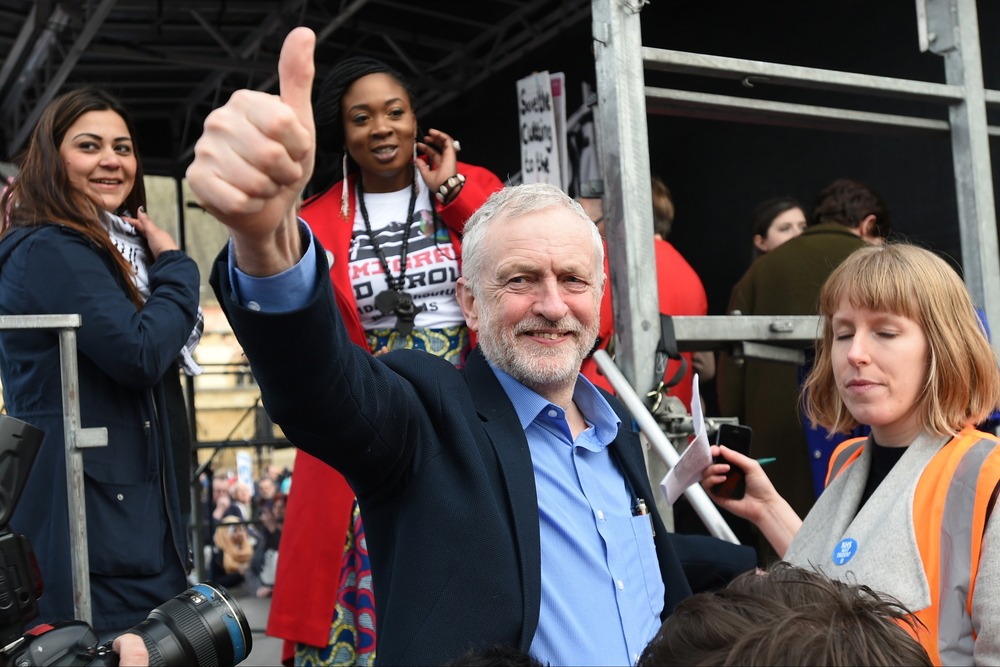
x=431, y=265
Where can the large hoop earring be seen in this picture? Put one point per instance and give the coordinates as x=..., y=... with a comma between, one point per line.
x=415, y=170
x=344, y=204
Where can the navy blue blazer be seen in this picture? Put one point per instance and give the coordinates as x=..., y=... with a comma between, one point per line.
x=441, y=468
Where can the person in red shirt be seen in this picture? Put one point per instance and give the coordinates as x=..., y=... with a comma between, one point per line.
x=681, y=292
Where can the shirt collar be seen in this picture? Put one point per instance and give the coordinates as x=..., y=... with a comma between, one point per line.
x=528, y=404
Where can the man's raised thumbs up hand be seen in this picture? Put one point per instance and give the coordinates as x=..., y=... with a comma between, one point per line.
x=254, y=159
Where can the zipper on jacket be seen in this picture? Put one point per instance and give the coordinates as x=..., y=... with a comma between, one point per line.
x=162, y=444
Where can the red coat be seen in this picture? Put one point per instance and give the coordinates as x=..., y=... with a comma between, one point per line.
x=319, y=506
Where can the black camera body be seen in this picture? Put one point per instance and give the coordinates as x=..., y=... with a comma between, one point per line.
x=204, y=625
x=69, y=643
x=20, y=585
x=20, y=579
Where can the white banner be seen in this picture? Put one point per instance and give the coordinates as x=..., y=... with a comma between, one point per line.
x=244, y=467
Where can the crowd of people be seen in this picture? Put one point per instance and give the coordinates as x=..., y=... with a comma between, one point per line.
x=243, y=529
x=467, y=490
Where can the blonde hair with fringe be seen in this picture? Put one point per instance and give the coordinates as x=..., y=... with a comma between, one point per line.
x=962, y=384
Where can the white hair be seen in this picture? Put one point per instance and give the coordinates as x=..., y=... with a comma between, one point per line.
x=517, y=201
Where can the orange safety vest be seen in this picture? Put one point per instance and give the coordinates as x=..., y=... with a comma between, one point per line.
x=947, y=518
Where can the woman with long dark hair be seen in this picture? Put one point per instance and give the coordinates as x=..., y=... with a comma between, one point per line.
x=64, y=217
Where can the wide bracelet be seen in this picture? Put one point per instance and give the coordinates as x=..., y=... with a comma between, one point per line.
x=447, y=191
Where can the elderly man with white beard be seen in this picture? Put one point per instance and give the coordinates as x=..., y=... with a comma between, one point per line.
x=503, y=502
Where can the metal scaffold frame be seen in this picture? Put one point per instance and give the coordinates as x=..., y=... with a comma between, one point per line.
x=77, y=439
x=948, y=28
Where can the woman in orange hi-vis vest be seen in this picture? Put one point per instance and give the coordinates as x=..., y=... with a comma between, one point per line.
x=909, y=510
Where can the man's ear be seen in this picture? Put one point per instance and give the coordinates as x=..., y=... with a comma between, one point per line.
x=468, y=303
x=867, y=229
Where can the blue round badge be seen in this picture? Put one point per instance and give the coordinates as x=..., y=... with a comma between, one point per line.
x=845, y=550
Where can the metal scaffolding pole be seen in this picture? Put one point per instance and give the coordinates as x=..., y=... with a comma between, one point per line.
x=970, y=149
x=628, y=202
x=77, y=438
x=946, y=27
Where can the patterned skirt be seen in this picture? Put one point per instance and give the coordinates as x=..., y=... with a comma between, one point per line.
x=451, y=343
x=352, y=631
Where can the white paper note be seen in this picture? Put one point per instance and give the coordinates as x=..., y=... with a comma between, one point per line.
x=695, y=458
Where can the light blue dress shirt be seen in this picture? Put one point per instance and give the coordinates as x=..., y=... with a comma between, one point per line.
x=602, y=591
x=282, y=293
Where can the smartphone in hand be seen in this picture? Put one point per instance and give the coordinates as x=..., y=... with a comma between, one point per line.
x=736, y=437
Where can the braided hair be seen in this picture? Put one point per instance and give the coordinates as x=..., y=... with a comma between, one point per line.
x=328, y=109
x=328, y=112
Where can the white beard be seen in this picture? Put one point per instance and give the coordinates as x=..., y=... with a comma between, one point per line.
x=537, y=366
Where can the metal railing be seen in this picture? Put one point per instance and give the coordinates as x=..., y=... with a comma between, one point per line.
x=77, y=439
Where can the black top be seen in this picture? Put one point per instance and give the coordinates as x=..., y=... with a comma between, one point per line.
x=883, y=459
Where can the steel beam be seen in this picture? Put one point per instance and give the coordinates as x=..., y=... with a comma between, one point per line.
x=715, y=332
x=620, y=119
x=755, y=72
x=667, y=101
x=76, y=439
x=93, y=24
x=970, y=149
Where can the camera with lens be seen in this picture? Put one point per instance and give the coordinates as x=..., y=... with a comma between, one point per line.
x=204, y=625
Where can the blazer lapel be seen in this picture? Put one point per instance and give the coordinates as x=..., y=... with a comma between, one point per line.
x=626, y=449
x=511, y=448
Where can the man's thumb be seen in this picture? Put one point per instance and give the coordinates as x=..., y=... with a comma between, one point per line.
x=296, y=71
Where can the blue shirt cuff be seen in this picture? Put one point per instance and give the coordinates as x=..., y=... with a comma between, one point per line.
x=282, y=293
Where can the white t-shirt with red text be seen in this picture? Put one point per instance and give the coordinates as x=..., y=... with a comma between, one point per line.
x=431, y=264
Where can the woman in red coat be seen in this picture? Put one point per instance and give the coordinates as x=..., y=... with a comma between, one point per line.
x=392, y=231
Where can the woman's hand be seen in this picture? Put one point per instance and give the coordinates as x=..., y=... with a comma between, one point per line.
x=761, y=504
x=442, y=158
x=157, y=239
x=759, y=490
